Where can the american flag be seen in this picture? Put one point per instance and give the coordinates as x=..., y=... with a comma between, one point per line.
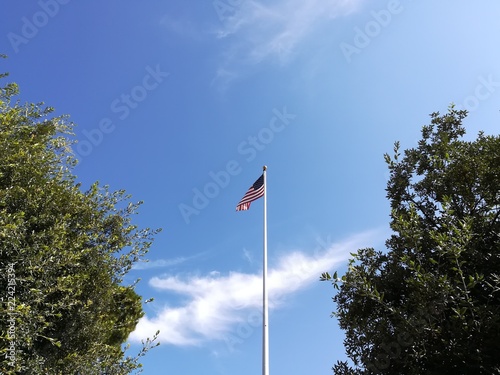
x=255, y=192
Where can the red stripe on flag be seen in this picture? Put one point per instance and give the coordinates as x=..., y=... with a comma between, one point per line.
x=255, y=192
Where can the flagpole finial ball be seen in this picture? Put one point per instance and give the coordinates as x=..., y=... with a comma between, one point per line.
x=264, y=168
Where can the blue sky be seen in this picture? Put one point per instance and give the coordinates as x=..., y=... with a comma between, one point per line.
x=182, y=103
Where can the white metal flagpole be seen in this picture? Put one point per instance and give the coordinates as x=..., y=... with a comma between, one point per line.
x=265, y=322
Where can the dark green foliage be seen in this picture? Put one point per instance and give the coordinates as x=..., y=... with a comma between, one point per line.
x=431, y=303
x=66, y=250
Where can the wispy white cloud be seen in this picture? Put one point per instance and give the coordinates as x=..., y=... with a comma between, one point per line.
x=164, y=263
x=261, y=30
x=216, y=303
x=248, y=256
x=159, y=263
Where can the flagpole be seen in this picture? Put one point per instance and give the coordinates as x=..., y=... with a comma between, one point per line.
x=265, y=323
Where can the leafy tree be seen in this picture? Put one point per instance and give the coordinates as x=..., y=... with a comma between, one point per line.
x=64, y=253
x=430, y=304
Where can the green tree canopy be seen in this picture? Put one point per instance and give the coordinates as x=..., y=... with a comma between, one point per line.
x=64, y=253
x=430, y=304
